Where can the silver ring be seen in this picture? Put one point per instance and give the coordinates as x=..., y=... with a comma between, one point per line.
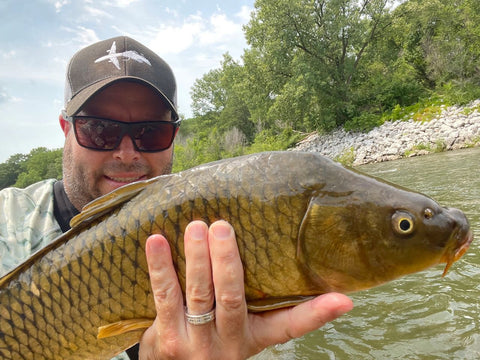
x=201, y=318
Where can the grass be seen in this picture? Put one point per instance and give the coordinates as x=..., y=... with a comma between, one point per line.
x=347, y=157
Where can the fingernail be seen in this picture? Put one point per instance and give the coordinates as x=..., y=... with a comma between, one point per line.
x=222, y=230
x=154, y=246
x=197, y=231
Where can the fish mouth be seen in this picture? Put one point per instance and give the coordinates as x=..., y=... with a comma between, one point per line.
x=452, y=255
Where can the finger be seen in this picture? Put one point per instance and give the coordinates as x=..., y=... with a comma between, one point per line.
x=166, y=289
x=228, y=280
x=282, y=325
x=199, y=287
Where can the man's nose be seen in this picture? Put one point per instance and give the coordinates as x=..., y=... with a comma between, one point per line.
x=126, y=151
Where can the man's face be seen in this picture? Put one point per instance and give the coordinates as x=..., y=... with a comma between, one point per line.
x=88, y=174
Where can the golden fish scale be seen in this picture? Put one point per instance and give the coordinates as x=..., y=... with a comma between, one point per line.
x=48, y=313
x=241, y=203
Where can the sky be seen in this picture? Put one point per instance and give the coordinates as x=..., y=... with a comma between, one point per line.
x=38, y=37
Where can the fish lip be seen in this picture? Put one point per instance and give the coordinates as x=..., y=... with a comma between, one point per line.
x=464, y=245
x=465, y=239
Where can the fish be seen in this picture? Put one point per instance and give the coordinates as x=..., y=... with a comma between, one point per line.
x=305, y=225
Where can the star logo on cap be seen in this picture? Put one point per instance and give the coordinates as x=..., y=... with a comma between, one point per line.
x=127, y=55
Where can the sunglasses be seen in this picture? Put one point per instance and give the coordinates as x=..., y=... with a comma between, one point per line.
x=105, y=135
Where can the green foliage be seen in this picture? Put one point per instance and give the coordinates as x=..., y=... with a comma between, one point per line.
x=428, y=113
x=440, y=38
x=439, y=146
x=347, y=157
x=23, y=170
x=364, y=122
x=468, y=110
x=459, y=92
x=208, y=93
x=205, y=148
x=269, y=141
x=474, y=142
x=218, y=99
x=196, y=150
x=11, y=169
x=426, y=109
x=313, y=53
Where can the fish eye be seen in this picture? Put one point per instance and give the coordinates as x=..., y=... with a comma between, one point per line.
x=428, y=213
x=403, y=223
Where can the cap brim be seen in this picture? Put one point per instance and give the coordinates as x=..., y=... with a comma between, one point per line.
x=76, y=103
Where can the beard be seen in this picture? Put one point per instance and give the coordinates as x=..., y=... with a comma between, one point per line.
x=82, y=183
x=76, y=180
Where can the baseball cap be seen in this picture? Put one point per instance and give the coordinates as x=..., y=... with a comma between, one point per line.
x=120, y=58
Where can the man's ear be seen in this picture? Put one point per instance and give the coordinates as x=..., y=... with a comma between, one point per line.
x=64, y=124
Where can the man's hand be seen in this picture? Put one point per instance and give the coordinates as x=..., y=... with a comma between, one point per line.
x=214, y=277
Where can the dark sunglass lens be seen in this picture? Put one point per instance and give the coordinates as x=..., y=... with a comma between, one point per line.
x=97, y=133
x=156, y=136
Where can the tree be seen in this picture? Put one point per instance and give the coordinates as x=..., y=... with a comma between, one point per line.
x=11, y=169
x=41, y=163
x=314, y=49
x=441, y=39
x=219, y=100
x=21, y=170
x=208, y=94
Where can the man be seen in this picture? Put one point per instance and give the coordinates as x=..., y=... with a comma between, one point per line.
x=120, y=120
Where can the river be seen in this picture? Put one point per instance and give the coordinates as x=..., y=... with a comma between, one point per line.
x=421, y=316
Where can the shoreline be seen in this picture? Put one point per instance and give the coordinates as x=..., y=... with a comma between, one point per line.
x=456, y=127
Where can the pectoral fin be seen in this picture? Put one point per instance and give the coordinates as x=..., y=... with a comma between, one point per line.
x=276, y=303
x=123, y=326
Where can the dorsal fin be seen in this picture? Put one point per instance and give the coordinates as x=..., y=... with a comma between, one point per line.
x=108, y=202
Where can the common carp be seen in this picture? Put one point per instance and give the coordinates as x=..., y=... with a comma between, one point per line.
x=304, y=224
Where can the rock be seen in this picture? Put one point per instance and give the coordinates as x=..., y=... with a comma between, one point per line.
x=454, y=128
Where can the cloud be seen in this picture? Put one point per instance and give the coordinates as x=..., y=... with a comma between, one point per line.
x=174, y=39
x=82, y=36
x=59, y=4
x=244, y=14
x=172, y=12
x=8, y=54
x=97, y=14
x=196, y=31
x=102, y=10
x=120, y=3
x=3, y=96
x=86, y=36
x=220, y=30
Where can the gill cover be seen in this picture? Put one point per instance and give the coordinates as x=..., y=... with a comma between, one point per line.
x=320, y=246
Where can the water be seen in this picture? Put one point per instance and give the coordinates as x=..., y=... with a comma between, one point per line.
x=421, y=316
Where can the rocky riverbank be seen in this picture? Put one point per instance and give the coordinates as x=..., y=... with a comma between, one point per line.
x=454, y=128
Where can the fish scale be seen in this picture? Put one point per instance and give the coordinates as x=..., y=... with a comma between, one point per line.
x=304, y=226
